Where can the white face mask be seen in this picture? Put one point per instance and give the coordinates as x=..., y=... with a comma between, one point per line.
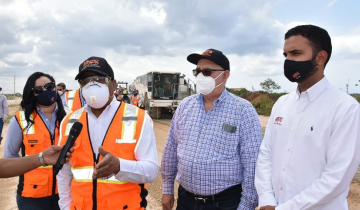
x=95, y=94
x=206, y=85
x=60, y=92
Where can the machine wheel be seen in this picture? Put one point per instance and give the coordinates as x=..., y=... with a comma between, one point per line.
x=155, y=112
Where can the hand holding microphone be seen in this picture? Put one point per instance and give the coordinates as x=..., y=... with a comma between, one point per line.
x=73, y=134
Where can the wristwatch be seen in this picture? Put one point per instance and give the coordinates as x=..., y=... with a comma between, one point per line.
x=41, y=159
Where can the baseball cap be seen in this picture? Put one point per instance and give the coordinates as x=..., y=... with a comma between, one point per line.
x=213, y=55
x=95, y=64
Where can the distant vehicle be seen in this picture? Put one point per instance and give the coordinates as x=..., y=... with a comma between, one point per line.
x=162, y=91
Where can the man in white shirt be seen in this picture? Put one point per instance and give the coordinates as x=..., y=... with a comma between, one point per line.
x=311, y=148
x=115, y=153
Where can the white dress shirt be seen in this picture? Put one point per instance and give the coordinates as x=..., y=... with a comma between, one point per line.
x=143, y=170
x=310, y=151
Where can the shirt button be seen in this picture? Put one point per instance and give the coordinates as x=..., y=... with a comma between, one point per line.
x=281, y=188
x=288, y=149
x=195, y=161
x=293, y=130
x=284, y=169
x=299, y=112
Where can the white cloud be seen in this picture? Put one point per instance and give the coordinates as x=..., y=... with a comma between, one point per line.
x=154, y=11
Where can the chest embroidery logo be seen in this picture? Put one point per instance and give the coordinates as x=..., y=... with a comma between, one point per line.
x=312, y=128
x=278, y=121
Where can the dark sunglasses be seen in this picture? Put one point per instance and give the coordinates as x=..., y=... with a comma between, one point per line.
x=40, y=89
x=206, y=72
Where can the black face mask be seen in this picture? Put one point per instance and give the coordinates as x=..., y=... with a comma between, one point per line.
x=46, y=98
x=296, y=71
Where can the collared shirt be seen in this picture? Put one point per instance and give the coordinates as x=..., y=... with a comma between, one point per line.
x=82, y=100
x=311, y=150
x=204, y=157
x=13, y=142
x=4, y=109
x=63, y=100
x=143, y=170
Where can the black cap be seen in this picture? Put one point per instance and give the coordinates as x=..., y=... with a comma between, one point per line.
x=213, y=55
x=95, y=64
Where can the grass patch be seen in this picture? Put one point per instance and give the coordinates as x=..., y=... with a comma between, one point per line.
x=8, y=119
x=13, y=105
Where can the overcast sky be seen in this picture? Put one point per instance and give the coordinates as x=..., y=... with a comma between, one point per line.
x=140, y=36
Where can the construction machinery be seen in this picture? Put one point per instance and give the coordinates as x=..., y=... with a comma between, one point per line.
x=162, y=92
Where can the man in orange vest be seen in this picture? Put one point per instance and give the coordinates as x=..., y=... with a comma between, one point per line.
x=115, y=153
x=74, y=99
x=136, y=100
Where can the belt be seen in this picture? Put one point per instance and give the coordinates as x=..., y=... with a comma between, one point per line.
x=219, y=197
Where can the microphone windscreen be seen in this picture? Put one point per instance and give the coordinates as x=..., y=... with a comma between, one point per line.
x=76, y=129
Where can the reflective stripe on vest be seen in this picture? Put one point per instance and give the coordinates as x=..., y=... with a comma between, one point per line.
x=84, y=174
x=23, y=123
x=129, y=122
x=75, y=116
x=70, y=99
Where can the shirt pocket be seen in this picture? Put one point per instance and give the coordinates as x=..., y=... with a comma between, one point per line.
x=34, y=144
x=224, y=145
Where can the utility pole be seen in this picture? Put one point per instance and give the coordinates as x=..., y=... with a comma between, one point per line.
x=14, y=85
x=347, y=86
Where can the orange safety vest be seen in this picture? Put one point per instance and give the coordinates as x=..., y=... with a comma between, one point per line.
x=135, y=100
x=121, y=140
x=40, y=182
x=73, y=99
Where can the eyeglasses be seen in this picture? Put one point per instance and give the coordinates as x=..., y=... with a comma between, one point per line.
x=39, y=89
x=206, y=72
x=95, y=78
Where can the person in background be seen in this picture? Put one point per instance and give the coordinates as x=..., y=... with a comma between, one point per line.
x=212, y=145
x=61, y=88
x=4, y=111
x=74, y=99
x=34, y=129
x=125, y=98
x=10, y=167
x=311, y=148
x=115, y=152
x=136, y=99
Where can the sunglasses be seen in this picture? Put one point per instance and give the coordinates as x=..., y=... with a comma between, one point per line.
x=99, y=79
x=206, y=72
x=39, y=89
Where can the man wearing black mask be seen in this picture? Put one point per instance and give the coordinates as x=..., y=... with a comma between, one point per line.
x=311, y=148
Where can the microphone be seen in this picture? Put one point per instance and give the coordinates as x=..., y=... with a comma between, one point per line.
x=73, y=134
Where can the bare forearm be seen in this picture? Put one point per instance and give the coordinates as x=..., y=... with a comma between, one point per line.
x=10, y=167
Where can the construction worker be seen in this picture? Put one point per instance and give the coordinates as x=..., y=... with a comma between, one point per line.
x=125, y=98
x=33, y=129
x=115, y=153
x=136, y=100
x=74, y=99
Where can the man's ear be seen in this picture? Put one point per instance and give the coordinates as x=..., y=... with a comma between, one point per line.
x=321, y=58
x=227, y=74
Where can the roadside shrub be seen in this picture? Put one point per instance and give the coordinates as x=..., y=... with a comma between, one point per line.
x=356, y=96
x=263, y=105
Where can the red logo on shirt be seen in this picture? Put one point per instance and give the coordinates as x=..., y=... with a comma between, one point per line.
x=278, y=121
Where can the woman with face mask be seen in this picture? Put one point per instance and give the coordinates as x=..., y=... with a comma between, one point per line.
x=33, y=129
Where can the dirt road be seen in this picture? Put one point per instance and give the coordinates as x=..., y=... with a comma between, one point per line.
x=161, y=128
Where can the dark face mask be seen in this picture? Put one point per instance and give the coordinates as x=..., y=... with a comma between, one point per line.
x=46, y=98
x=296, y=71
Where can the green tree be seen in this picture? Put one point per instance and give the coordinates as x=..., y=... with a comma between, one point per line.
x=269, y=85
